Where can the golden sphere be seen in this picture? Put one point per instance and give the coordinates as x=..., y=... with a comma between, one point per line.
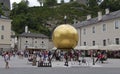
x=65, y=36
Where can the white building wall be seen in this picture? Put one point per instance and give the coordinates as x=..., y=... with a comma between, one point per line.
x=109, y=35
x=79, y=35
x=5, y=43
x=31, y=42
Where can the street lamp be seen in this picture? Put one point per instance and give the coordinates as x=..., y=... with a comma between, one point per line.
x=65, y=17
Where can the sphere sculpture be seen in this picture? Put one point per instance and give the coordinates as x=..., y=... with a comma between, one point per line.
x=65, y=37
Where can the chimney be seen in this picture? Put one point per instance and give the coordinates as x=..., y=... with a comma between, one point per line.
x=99, y=15
x=107, y=11
x=88, y=17
x=26, y=29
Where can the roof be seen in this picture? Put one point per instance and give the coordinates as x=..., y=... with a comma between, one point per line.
x=105, y=17
x=3, y=17
x=33, y=35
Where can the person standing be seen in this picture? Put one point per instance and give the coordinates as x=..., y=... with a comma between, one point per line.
x=6, y=58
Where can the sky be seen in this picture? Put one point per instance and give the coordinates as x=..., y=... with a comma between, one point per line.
x=32, y=2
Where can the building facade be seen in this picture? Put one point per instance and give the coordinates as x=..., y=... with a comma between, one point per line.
x=5, y=3
x=5, y=33
x=32, y=41
x=103, y=30
x=14, y=41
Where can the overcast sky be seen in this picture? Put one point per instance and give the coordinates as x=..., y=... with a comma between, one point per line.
x=32, y=2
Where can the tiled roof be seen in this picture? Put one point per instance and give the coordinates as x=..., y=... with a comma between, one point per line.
x=33, y=35
x=105, y=17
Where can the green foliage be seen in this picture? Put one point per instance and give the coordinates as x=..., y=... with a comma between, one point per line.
x=22, y=7
x=113, y=5
x=37, y=18
x=1, y=12
x=62, y=1
x=92, y=3
x=50, y=2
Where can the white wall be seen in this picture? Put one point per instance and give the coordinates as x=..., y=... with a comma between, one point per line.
x=111, y=33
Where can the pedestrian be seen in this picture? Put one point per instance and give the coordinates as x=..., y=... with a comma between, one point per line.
x=6, y=58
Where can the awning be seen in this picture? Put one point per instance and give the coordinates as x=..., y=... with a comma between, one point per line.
x=112, y=47
x=96, y=47
x=81, y=48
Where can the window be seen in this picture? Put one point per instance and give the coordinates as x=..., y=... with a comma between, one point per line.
x=104, y=42
x=116, y=24
x=117, y=40
x=93, y=43
x=84, y=43
x=104, y=27
x=108, y=41
x=84, y=31
x=26, y=41
x=2, y=27
x=35, y=41
x=2, y=37
x=93, y=29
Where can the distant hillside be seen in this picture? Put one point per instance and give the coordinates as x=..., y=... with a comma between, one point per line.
x=45, y=19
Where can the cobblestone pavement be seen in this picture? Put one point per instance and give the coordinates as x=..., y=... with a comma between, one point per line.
x=17, y=62
x=22, y=66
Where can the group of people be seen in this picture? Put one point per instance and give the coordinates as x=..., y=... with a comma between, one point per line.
x=101, y=57
x=59, y=55
x=48, y=56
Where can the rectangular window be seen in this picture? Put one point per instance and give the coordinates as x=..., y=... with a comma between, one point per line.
x=93, y=29
x=104, y=42
x=84, y=31
x=2, y=37
x=116, y=24
x=2, y=28
x=93, y=43
x=26, y=41
x=104, y=27
x=117, y=40
x=84, y=43
x=35, y=41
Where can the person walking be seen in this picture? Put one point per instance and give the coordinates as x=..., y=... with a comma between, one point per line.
x=6, y=58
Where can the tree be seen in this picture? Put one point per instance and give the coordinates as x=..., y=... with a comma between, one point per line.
x=71, y=0
x=92, y=3
x=1, y=12
x=62, y=1
x=50, y=2
x=0, y=9
x=113, y=5
x=22, y=7
x=93, y=7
